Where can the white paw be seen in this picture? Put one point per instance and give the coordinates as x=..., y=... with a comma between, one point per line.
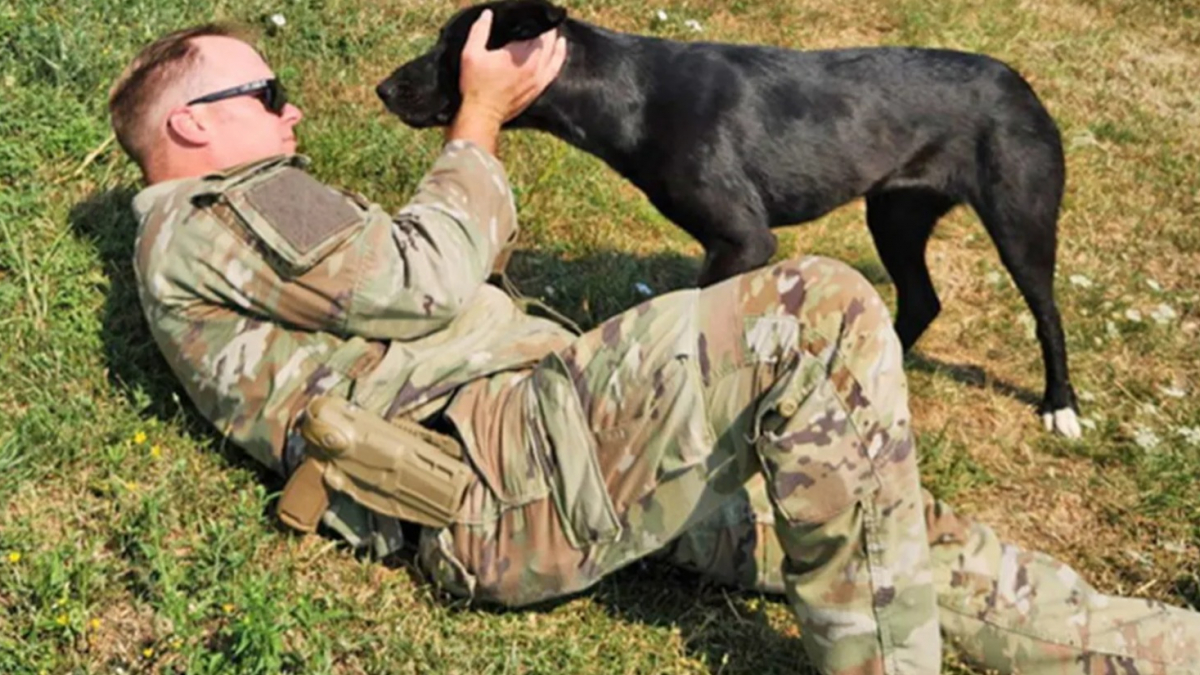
x=1063, y=422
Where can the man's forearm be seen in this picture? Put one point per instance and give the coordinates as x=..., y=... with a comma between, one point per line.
x=477, y=126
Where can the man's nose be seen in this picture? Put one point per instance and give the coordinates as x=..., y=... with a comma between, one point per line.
x=292, y=114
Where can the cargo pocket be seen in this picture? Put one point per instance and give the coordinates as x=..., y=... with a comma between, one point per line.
x=497, y=420
x=813, y=441
x=562, y=437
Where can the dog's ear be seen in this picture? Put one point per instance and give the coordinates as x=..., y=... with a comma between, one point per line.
x=523, y=20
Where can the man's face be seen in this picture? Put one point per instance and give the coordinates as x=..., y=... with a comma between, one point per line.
x=242, y=128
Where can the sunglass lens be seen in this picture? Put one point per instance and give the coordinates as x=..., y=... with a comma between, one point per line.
x=276, y=97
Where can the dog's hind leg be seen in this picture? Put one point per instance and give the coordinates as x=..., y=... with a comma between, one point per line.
x=1023, y=225
x=901, y=221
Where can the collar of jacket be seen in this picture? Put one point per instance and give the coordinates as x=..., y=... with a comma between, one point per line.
x=248, y=168
x=144, y=200
x=148, y=195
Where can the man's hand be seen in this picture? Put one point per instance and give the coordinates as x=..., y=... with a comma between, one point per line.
x=497, y=85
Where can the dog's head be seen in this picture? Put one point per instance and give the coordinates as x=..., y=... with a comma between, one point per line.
x=424, y=92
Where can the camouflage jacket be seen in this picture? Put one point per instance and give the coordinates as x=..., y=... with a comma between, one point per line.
x=264, y=287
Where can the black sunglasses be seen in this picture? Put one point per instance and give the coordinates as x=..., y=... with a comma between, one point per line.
x=270, y=92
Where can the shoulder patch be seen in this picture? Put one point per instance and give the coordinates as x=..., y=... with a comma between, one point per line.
x=304, y=211
x=298, y=218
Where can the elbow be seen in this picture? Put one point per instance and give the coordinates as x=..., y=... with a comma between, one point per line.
x=419, y=316
x=441, y=310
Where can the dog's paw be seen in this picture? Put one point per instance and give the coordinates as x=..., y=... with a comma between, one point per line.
x=1063, y=422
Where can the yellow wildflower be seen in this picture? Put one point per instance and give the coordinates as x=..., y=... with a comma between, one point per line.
x=14, y=557
x=148, y=652
x=61, y=620
x=227, y=607
x=155, y=451
x=95, y=624
x=139, y=437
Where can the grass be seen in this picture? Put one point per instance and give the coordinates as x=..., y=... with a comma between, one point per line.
x=133, y=540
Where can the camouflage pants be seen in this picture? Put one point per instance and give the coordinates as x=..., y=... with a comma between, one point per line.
x=1005, y=609
x=688, y=414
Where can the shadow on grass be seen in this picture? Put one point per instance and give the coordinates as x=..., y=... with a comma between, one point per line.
x=724, y=627
x=135, y=367
x=970, y=375
x=591, y=288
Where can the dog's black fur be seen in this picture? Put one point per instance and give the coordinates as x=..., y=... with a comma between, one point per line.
x=731, y=140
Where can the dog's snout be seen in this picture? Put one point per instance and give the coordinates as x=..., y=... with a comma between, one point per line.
x=385, y=90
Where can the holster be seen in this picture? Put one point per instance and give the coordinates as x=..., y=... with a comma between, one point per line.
x=399, y=468
x=305, y=497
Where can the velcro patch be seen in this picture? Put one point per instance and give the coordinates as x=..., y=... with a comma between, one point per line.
x=299, y=218
x=303, y=210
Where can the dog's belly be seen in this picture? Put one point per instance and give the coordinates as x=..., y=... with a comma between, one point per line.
x=802, y=213
x=790, y=200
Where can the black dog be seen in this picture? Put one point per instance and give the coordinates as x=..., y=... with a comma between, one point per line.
x=731, y=140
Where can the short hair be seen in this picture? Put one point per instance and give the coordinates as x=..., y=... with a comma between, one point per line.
x=161, y=63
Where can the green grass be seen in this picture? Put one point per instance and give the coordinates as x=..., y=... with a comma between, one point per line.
x=132, y=539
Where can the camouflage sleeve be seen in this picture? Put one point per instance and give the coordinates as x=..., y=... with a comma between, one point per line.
x=263, y=286
x=441, y=247
x=346, y=266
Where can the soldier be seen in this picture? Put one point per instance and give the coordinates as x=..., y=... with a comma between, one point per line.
x=362, y=354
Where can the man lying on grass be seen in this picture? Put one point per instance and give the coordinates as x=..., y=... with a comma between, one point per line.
x=361, y=353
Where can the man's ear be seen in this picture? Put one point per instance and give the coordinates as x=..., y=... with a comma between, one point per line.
x=186, y=127
x=523, y=20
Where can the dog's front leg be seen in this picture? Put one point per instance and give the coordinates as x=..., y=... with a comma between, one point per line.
x=725, y=258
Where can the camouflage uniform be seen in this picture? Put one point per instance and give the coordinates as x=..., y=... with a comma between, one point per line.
x=669, y=428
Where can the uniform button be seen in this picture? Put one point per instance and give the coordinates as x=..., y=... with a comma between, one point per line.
x=788, y=407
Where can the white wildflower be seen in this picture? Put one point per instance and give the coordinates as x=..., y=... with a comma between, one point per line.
x=1081, y=281
x=1173, y=391
x=1133, y=315
x=1190, y=434
x=643, y=289
x=1110, y=329
x=1175, y=546
x=278, y=20
x=1154, y=285
x=1145, y=438
x=660, y=15
x=1163, y=314
x=693, y=25
x=550, y=291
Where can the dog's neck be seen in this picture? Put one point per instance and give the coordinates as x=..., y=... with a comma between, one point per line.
x=598, y=119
